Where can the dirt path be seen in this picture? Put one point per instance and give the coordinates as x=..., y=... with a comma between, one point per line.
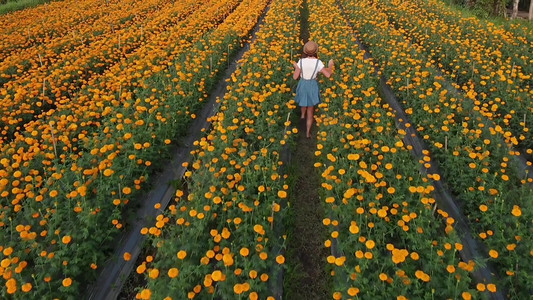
x=306, y=277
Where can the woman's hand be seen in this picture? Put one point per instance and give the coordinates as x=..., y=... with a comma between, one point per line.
x=329, y=70
x=297, y=70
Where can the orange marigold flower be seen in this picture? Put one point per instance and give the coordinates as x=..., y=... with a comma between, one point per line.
x=370, y=244
x=353, y=291
x=182, y=254
x=127, y=256
x=146, y=294
x=517, y=212
x=280, y=259
x=67, y=282
x=66, y=239
x=466, y=296
x=27, y=287
x=244, y=252
x=154, y=273
x=108, y=172
x=11, y=285
x=173, y=273
x=254, y=296
x=7, y=251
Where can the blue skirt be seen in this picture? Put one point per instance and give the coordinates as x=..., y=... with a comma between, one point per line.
x=307, y=93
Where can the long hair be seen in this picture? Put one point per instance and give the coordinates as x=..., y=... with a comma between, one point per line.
x=305, y=55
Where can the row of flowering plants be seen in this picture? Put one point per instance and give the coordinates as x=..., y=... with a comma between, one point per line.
x=386, y=239
x=490, y=66
x=509, y=38
x=39, y=36
x=66, y=183
x=218, y=239
x=24, y=29
x=57, y=77
x=479, y=169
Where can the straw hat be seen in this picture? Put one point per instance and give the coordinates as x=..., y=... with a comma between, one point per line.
x=310, y=48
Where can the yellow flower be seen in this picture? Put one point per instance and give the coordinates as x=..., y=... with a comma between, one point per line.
x=259, y=229
x=370, y=244
x=450, y=269
x=67, y=282
x=280, y=259
x=146, y=294
x=216, y=275
x=517, y=212
x=26, y=287
x=353, y=156
x=182, y=254
x=238, y=289
x=127, y=256
x=66, y=239
x=141, y=268
x=173, y=273
x=154, y=273
x=244, y=252
x=353, y=291
x=108, y=172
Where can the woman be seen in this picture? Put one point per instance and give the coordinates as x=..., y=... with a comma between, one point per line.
x=307, y=91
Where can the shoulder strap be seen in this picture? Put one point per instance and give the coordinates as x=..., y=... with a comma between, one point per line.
x=301, y=70
x=316, y=67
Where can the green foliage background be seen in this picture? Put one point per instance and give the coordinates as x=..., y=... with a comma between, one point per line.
x=484, y=8
x=7, y=6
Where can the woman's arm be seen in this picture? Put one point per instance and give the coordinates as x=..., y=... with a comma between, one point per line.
x=297, y=70
x=329, y=70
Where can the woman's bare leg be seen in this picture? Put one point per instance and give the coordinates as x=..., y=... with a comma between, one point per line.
x=310, y=110
x=303, y=109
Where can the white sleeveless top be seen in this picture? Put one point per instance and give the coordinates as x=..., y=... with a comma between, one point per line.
x=308, y=66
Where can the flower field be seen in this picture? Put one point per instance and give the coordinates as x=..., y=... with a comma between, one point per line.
x=491, y=65
x=479, y=168
x=385, y=240
x=53, y=83
x=94, y=98
x=220, y=232
x=69, y=175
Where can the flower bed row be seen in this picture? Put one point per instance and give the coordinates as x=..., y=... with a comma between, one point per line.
x=509, y=38
x=217, y=240
x=52, y=86
x=40, y=24
x=495, y=73
x=477, y=167
x=39, y=35
x=60, y=213
x=381, y=219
